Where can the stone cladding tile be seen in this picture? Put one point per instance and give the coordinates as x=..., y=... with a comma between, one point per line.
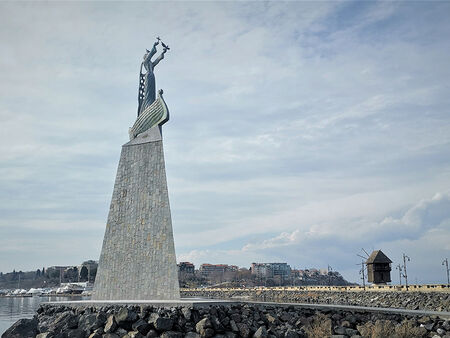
x=138, y=255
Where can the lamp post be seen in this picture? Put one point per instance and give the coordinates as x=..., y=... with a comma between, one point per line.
x=445, y=262
x=405, y=274
x=399, y=268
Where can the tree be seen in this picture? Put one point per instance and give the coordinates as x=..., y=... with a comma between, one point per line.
x=38, y=273
x=84, y=273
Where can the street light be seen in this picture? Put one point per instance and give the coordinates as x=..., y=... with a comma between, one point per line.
x=445, y=262
x=399, y=268
x=404, y=269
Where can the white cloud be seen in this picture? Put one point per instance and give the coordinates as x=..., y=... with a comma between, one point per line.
x=291, y=122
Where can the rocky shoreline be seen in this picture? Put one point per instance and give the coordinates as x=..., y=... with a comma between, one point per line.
x=232, y=320
x=434, y=301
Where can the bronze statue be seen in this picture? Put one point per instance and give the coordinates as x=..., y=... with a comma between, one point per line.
x=147, y=87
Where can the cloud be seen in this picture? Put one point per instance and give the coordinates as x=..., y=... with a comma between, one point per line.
x=293, y=124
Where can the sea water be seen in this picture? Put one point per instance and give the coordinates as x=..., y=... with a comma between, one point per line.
x=14, y=308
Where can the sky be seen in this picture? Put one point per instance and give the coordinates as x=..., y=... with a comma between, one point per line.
x=300, y=132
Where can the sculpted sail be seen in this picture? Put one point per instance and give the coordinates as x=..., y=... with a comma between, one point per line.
x=138, y=261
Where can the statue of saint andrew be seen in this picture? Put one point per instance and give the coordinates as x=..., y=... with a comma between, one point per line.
x=147, y=88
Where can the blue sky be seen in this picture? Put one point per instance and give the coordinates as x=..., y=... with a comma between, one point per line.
x=299, y=131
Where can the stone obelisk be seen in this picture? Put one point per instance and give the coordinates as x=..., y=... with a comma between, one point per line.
x=138, y=260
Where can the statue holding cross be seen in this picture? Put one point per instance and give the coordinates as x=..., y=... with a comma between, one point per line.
x=147, y=87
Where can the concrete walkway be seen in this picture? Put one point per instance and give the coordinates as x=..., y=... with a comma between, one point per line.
x=202, y=302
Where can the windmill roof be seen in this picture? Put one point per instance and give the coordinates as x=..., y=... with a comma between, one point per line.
x=378, y=257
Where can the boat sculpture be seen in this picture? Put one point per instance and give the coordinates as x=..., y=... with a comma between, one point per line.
x=155, y=114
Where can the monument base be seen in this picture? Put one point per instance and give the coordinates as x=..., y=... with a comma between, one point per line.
x=138, y=255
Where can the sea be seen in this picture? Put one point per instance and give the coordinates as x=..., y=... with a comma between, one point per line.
x=14, y=308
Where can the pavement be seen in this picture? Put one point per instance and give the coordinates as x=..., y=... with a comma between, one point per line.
x=202, y=302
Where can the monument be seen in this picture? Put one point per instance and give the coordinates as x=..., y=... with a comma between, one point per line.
x=137, y=260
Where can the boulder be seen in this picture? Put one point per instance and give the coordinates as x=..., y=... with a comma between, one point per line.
x=171, y=334
x=261, y=332
x=88, y=322
x=76, y=333
x=45, y=335
x=204, y=328
x=111, y=324
x=151, y=334
x=244, y=330
x=110, y=335
x=187, y=313
x=23, y=328
x=191, y=335
x=162, y=324
x=142, y=326
x=125, y=315
x=291, y=334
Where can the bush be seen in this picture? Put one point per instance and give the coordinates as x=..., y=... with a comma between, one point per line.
x=320, y=326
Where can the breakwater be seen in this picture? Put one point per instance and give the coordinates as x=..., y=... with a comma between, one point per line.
x=414, y=300
x=217, y=320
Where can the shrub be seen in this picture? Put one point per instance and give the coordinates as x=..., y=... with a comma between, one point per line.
x=319, y=326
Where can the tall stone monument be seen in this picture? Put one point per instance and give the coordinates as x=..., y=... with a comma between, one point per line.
x=138, y=261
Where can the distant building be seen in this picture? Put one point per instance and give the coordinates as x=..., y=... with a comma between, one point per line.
x=214, y=269
x=186, y=267
x=323, y=271
x=90, y=264
x=270, y=270
x=378, y=268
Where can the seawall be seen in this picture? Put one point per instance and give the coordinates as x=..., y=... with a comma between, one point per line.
x=216, y=320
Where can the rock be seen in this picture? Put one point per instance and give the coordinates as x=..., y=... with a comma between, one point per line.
x=233, y=326
x=225, y=321
x=110, y=335
x=429, y=326
x=338, y=336
x=209, y=332
x=291, y=334
x=271, y=319
x=76, y=333
x=187, y=313
x=424, y=320
x=440, y=332
x=134, y=334
x=346, y=323
x=244, y=330
x=339, y=330
x=111, y=324
x=151, y=334
x=88, y=322
x=216, y=324
x=191, y=335
x=125, y=315
x=45, y=335
x=142, y=326
x=351, y=332
x=23, y=328
x=446, y=325
x=163, y=324
x=121, y=332
x=236, y=317
x=286, y=316
x=261, y=332
x=171, y=334
x=202, y=325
